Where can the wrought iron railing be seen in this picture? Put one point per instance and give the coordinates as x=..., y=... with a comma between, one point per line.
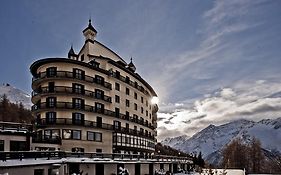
x=88, y=108
x=70, y=90
x=71, y=75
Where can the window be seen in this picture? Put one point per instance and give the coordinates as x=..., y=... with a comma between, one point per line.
x=78, y=103
x=141, y=130
x=99, y=80
x=127, y=91
x=127, y=103
x=136, y=107
x=146, y=103
x=98, y=137
x=71, y=134
x=51, y=133
x=78, y=74
x=77, y=149
x=77, y=118
x=150, y=116
x=99, y=107
x=135, y=117
x=78, y=88
x=127, y=126
x=118, y=74
x=117, y=86
x=18, y=145
x=51, y=86
x=98, y=150
x=51, y=117
x=82, y=57
x=47, y=133
x=94, y=136
x=51, y=71
x=136, y=96
x=51, y=102
x=2, y=145
x=91, y=136
x=127, y=115
x=117, y=112
x=76, y=134
x=94, y=63
x=141, y=99
x=99, y=94
x=127, y=79
x=142, y=110
x=66, y=133
x=99, y=122
x=146, y=113
x=117, y=99
x=38, y=171
x=117, y=125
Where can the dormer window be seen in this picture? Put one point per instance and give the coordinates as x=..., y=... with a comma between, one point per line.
x=94, y=63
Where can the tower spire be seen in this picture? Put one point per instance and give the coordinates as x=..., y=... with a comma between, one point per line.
x=90, y=32
x=131, y=65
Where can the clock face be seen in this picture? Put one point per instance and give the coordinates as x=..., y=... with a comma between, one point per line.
x=67, y=133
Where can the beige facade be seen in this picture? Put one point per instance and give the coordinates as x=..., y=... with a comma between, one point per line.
x=92, y=101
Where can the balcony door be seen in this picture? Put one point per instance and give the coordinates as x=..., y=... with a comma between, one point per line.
x=99, y=108
x=99, y=122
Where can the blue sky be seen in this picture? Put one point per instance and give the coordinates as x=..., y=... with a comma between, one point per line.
x=209, y=61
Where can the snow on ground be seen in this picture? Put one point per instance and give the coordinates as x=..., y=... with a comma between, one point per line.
x=217, y=171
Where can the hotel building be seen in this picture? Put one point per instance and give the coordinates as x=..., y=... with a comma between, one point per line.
x=92, y=101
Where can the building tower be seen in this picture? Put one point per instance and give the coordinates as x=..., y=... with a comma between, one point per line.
x=92, y=101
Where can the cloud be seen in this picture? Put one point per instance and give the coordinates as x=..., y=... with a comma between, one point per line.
x=251, y=100
x=218, y=45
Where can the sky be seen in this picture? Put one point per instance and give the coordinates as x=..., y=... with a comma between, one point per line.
x=210, y=62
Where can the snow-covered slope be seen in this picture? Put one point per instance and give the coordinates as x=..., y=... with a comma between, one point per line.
x=15, y=95
x=211, y=140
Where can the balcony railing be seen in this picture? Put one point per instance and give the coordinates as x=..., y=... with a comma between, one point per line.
x=87, y=123
x=88, y=108
x=71, y=75
x=70, y=90
x=130, y=82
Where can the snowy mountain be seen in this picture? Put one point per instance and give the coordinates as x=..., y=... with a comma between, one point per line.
x=211, y=140
x=16, y=95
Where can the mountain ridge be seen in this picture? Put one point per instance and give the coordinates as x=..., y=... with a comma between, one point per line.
x=212, y=139
x=16, y=95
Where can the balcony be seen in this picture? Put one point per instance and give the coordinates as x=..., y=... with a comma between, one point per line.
x=71, y=91
x=87, y=108
x=130, y=82
x=91, y=124
x=69, y=75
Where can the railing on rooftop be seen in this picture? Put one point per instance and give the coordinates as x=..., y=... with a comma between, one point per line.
x=20, y=155
x=12, y=127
